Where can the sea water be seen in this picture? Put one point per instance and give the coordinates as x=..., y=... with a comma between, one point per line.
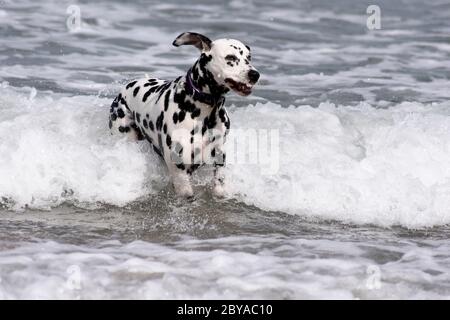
x=353, y=204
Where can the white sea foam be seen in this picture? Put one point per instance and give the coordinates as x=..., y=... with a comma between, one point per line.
x=58, y=149
x=354, y=164
x=241, y=268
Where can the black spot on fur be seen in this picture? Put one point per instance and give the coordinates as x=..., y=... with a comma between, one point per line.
x=195, y=113
x=222, y=115
x=168, y=141
x=120, y=113
x=145, y=123
x=165, y=128
x=175, y=117
x=150, y=125
x=124, y=129
x=181, y=116
x=138, y=131
x=138, y=117
x=113, y=117
x=114, y=104
x=166, y=100
x=195, y=74
x=122, y=101
x=110, y=124
x=227, y=123
x=148, y=93
x=161, y=90
x=135, y=91
x=130, y=85
x=157, y=151
x=144, y=98
x=204, y=59
x=211, y=121
x=183, y=104
x=181, y=166
x=159, y=121
x=160, y=143
x=162, y=87
x=150, y=140
x=193, y=168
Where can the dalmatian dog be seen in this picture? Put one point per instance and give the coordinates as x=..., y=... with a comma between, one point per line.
x=185, y=120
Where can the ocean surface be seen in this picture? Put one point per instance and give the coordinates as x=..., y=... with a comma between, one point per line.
x=358, y=206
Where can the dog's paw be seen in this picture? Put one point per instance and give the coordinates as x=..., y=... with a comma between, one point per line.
x=219, y=191
x=184, y=191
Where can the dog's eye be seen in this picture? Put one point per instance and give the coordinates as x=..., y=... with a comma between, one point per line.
x=231, y=57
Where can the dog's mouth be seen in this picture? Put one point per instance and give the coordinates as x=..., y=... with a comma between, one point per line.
x=239, y=87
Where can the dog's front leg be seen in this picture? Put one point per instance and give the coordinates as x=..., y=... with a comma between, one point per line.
x=219, y=175
x=181, y=182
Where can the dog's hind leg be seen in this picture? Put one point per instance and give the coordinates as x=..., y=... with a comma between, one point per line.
x=121, y=119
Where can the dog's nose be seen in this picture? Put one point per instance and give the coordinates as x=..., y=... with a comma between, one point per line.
x=253, y=75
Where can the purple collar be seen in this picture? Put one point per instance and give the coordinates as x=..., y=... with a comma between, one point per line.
x=198, y=95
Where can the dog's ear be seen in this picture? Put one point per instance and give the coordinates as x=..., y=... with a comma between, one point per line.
x=195, y=39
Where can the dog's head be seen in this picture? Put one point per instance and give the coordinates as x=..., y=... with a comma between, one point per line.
x=227, y=60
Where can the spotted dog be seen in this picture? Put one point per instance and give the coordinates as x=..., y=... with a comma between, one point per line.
x=185, y=120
